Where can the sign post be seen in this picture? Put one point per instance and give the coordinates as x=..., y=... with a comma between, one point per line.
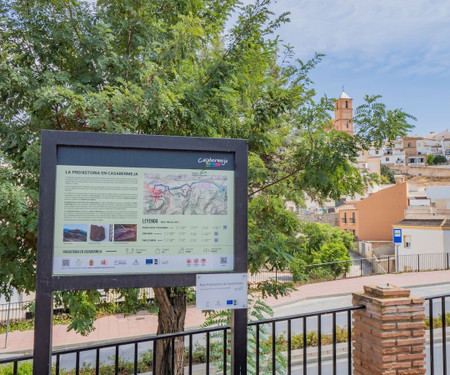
x=397, y=239
x=132, y=211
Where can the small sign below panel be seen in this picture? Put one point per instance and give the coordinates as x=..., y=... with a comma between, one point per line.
x=221, y=291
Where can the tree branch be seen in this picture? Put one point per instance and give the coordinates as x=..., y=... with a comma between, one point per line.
x=130, y=38
x=69, y=8
x=290, y=174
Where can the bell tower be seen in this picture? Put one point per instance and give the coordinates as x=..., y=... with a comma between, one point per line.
x=343, y=114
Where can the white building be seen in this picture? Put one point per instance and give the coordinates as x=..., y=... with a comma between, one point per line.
x=425, y=231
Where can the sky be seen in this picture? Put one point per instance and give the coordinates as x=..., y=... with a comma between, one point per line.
x=399, y=49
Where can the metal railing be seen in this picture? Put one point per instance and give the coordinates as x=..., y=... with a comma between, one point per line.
x=359, y=267
x=438, y=322
x=15, y=311
x=277, y=345
x=318, y=342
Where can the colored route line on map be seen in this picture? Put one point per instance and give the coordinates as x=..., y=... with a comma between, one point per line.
x=167, y=188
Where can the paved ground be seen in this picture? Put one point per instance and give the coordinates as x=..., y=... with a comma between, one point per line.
x=118, y=327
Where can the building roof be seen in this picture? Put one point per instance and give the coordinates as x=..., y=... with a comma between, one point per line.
x=431, y=143
x=347, y=206
x=344, y=95
x=441, y=135
x=421, y=222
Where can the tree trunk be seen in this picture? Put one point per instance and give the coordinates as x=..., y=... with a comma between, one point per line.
x=171, y=317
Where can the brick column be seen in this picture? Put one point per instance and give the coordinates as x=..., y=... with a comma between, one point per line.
x=389, y=334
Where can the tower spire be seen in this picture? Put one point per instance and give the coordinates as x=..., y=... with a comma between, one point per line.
x=343, y=114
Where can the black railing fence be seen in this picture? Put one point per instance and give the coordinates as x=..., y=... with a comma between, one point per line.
x=313, y=343
x=303, y=342
x=437, y=325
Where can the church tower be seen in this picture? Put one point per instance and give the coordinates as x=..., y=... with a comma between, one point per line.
x=343, y=114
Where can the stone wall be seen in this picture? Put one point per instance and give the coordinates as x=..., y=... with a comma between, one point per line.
x=329, y=218
x=420, y=171
x=376, y=248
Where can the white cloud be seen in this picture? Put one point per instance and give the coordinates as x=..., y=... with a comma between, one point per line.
x=412, y=35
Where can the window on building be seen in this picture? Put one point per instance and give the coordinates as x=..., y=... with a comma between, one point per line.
x=353, y=218
x=387, y=159
x=409, y=144
x=344, y=218
x=347, y=124
x=407, y=242
x=346, y=104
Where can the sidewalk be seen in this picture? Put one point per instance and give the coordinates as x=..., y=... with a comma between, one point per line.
x=118, y=327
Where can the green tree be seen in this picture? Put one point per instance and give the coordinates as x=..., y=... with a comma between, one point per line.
x=439, y=159
x=430, y=159
x=376, y=124
x=387, y=174
x=170, y=68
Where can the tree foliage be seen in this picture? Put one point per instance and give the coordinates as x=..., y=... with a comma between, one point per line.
x=174, y=68
x=436, y=159
x=387, y=175
x=376, y=124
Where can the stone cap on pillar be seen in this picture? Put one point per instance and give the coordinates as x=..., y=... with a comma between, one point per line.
x=386, y=291
x=383, y=295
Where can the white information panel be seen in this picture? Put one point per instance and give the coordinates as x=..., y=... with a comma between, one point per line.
x=112, y=220
x=221, y=291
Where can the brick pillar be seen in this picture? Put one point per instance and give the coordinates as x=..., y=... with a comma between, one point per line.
x=389, y=334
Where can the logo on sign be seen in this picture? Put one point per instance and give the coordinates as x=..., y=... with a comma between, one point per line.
x=213, y=163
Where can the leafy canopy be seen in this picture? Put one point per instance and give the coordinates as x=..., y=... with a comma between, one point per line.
x=172, y=68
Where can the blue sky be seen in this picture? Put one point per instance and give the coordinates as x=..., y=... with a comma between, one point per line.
x=399, y=49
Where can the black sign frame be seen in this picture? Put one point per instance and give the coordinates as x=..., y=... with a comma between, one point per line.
x=47, y=283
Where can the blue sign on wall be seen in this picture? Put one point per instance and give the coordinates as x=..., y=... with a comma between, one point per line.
x=397, y=234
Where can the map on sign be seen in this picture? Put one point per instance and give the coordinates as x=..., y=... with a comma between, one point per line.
x=185, y=194
x=142, y=220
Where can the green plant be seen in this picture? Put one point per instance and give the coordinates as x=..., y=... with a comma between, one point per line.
x=439, y=159
x=437, y=321
x=388, y=174
x=24, y=368
x=28, y=324
x=258, y=310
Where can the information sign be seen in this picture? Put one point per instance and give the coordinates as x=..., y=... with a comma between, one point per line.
x=221, y=291
x=134, y=211
x=397, y=234
x=116, y=220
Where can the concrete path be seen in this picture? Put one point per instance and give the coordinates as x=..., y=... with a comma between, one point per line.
x=120, y=327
